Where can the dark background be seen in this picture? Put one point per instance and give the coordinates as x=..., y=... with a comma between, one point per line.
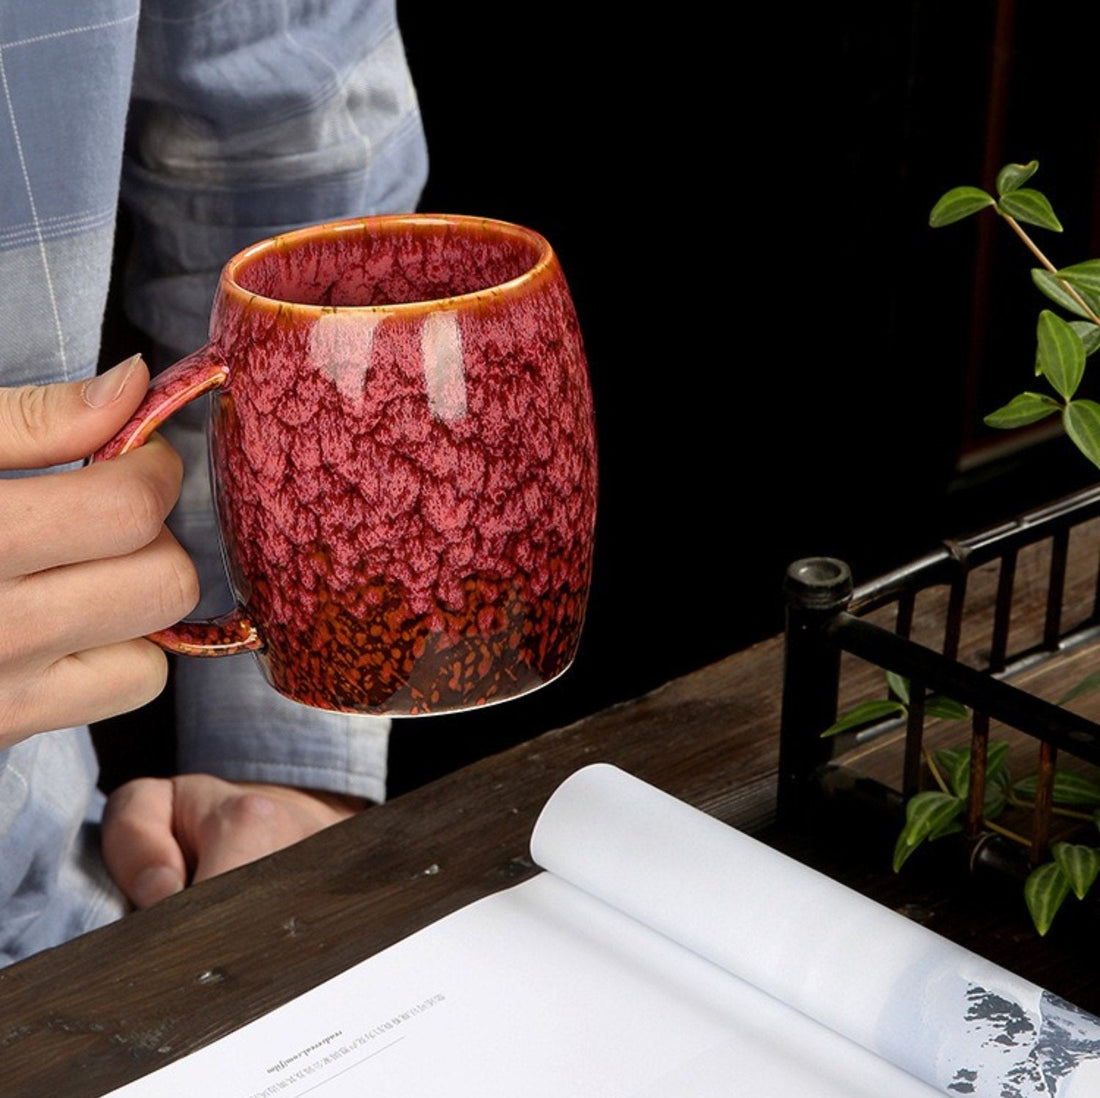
x=785, y=359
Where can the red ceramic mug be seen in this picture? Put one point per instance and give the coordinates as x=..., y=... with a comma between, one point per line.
x=404, y=461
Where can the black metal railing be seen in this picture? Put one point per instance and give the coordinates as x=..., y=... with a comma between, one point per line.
x=827, y=617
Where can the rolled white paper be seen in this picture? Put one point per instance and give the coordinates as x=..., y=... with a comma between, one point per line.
x=939, y=1011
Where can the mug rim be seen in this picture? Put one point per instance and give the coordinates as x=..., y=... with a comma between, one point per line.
x=293, y=237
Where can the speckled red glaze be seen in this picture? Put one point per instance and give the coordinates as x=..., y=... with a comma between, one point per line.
x=405, y=462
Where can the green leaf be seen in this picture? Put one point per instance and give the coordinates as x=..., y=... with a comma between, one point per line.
x=1013, y=176
x=948, y=758
x=1089, y=333
x=1031, y=207
x=899, y=686
x=1083, y=276
x=1079, y=863
x=927, y=815
x=1073, y=787
x=1070, y=787
x=902, y=849
x=1044, y=890
x=957, y=203
x=939, y=705
x=955, y=764
x=996, y=758
x=865, y=713
x=996, y=795
x=1052, y=286
x=945, y=707
x=1081, y=420
x=949, y=827
x=958, y=773
x=1061, y=354
x=1021, y=410
x=1086, y=686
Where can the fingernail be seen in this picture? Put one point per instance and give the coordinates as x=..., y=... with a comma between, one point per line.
x=155, y=884
x=104, y=388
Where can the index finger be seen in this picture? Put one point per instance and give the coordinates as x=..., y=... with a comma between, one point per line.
x=106, y=509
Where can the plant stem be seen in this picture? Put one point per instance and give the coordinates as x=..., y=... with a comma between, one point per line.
x=935, y=770
x=1072, y=814
x=1033, y=248
x=1005, y=832
x=1055, y=810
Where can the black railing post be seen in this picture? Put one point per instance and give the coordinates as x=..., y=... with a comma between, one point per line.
x=816, y=589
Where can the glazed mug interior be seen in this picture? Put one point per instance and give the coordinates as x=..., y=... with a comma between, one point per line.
x=426, y=262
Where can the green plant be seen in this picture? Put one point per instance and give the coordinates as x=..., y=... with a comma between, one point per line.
x=1062, y=346
x=1062, y=349
x=1071, y=869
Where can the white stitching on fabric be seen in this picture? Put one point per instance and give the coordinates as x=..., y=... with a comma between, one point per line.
x=34, y=215
x=49, y=228
x=65, y=33
x=38, y=232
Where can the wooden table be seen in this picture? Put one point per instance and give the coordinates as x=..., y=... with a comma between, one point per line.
x=86, y=1017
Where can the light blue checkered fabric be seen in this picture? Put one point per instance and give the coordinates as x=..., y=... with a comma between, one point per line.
x=219, y=122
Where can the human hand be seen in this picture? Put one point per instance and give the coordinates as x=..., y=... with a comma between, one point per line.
x=160, y=834
x=87, y=567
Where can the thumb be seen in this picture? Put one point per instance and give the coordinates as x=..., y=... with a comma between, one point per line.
x=140, y=849
x=42, y=425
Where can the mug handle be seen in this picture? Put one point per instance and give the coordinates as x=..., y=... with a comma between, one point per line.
x=197, y=373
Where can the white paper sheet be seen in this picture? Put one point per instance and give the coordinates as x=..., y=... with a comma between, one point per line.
x=736, y=972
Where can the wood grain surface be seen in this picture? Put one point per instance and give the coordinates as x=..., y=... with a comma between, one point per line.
x=86, y=1017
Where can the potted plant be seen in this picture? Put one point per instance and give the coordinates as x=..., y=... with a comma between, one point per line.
x=1066, y=336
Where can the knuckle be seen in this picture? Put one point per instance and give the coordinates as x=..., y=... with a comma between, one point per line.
x=149, y=670
x=17, y=716
x=139, y=512
x=13, y=648
x=23, y=628
x=26, y=415
x=248, y=814
x=141, y=489
x=141, y=675
x=186, y=586
x=119, y=814
x=10, y=523
x=12, y=645
x=177, y=591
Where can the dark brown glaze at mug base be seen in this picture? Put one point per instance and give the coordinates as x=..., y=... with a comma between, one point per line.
x=501, y=644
